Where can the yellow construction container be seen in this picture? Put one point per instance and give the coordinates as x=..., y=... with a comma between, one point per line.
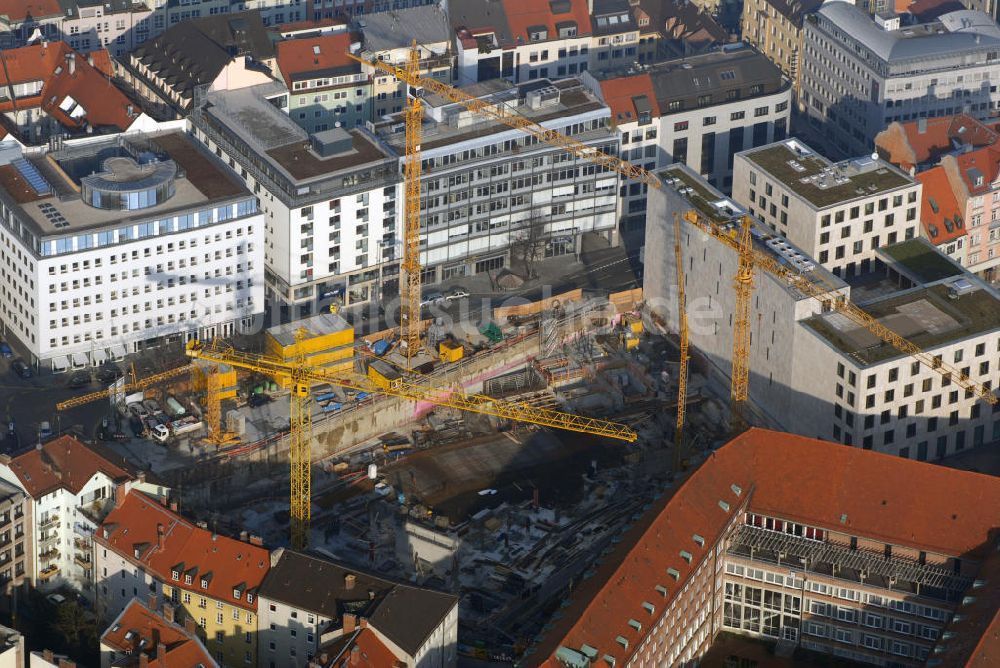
x=328, y=343
x=631, y=342
x=449, y=351
x=226, y=379
x=383, y=374
x=635, y=327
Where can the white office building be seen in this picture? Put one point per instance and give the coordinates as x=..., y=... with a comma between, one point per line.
x=839, y=213
x=813, y=370
x=119, y=243
x=860, y=73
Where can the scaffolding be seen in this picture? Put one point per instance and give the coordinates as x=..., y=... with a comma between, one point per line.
x=894, y=570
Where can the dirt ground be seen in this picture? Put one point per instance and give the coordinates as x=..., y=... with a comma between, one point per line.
x=449, y=478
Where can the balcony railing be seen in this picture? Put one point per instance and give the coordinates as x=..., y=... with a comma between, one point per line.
x=48, y=521
x=48, y=573
x=49, y=555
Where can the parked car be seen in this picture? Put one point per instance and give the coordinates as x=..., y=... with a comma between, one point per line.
x=109, y=373
x=5, y=350
x=78, y=380
x=432, y=298
x=457, y=293
x=135, y=424
x=160, y=433
x=21, y=368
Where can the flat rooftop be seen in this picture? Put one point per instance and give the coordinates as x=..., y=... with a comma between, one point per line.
x=272, y=134
x=317, y=325
x=921, y=260
x=928, y=316
x=447, y=123
x=200, y=180
x=821, y=182
x=726, y=214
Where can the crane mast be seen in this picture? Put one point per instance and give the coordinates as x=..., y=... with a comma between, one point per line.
x=682, y=368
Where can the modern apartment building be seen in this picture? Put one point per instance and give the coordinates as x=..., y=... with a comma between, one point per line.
x=488, y=189
x=67, y=488
x=839, y=213
x=144, y=549
x=815, y=371
x=699, y=111
x=794, y=544
x=119, y=243
x=329, y=199
x=415, y=626
x=861, y=73
x=775, y=27
x=326, y=88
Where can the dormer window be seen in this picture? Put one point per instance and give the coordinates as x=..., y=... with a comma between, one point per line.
x=187, y=579
x=249, y=597
x=204, y=583
x=175, y=575
x=237, y=594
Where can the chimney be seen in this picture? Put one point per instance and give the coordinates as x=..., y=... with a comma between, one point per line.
x=120, y=493
x=152, y=602
x=256, y=540
x=168, y=612
x=349, y=623
x=143, y=659
x=161, y=651
x=159, y=536
x=189, y=625
x=355, y=655
x=90, y=59
x=48, y=656
x=66, y=663
x=921, y=126
x=363, y=622
x=71, y=63
x=349, y=581
x=173, y=505
x=244, y=535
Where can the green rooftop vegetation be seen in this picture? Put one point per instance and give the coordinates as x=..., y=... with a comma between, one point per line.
x=921, y=260
x=861, y=183
x=973, y=313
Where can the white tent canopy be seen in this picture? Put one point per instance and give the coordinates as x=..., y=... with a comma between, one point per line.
x=99, y=357
x=80, y=360
x=59, y=364
x=118, y=352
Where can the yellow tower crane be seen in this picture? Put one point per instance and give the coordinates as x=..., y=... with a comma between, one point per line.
x=816, y=286
x=410, y=279
x=134, y=386
x=743, y=285
x=302, y=376
x=682, y=368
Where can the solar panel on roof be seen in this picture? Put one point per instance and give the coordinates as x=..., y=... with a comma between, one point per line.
x=32, y=176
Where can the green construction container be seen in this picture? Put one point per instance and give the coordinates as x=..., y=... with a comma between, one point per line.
x=258, y=389
x=492, y=332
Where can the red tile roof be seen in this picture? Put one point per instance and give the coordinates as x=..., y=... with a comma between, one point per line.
x=63, y=463
x=225, y=563
x=939, y=210
x=303, y=26
x=939, y=135
x=362, y=650
x=102, y=104
x=314, y=54
x=139, y=623
x=985, y=161
x=805, y=480
x=524, y=14
x=18, y=10
x=618, y=94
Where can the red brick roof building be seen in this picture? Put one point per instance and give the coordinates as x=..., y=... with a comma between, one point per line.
x=144, y=636
x=52, y=89
x=816, y=545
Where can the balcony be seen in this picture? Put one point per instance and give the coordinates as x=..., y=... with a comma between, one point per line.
x=83, y=562
x=48, y=573
x=48, y=521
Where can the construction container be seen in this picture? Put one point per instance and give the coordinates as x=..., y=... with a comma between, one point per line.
x=383, y=374
x=635, y=327
x=631, y=342
x=327, y=340
x=450, y=351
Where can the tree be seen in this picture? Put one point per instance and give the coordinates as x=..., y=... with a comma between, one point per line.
x=74, y=624
x=528, y=245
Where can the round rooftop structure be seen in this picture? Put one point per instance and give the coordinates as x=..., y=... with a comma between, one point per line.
x=127, y=184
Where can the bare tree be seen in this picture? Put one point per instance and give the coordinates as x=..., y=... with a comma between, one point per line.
x=528, y=245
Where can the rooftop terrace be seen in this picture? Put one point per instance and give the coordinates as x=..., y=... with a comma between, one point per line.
x=821, y=182
x=927, y=316
x=920, y=259
x=198, y=180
